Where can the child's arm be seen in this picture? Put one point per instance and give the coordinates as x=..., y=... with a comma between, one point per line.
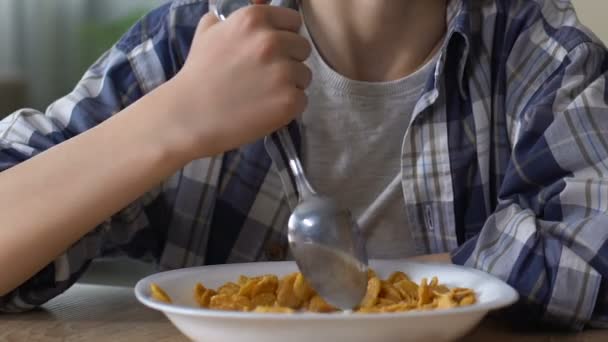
x=52, y=200
x=243, y=79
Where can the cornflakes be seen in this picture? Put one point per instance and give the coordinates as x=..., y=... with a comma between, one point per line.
x=159, y=294
x=292, y=293
x=318, y=304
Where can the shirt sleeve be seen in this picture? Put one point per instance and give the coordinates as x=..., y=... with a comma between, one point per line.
x=120, y=77
x=548, y=237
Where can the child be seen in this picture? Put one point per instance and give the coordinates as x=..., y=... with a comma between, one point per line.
x=466, y=127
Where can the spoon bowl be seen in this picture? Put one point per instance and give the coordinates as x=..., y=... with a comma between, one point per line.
x=325, y=240
x=329, y=250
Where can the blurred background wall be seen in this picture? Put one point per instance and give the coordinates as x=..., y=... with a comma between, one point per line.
x=45, y=45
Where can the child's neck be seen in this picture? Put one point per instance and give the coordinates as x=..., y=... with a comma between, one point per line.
x=376, y=40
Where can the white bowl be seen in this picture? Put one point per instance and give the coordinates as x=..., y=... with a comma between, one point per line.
x=222, y=326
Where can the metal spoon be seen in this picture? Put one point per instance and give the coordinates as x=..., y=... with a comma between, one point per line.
x=324, y=238
x=325, y=241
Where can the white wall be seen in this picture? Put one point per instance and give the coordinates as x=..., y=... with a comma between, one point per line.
x=594, y=13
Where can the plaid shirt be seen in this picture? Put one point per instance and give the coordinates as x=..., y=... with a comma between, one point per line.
x=503, y=163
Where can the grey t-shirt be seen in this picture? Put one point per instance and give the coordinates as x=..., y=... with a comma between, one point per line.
x=352, y=140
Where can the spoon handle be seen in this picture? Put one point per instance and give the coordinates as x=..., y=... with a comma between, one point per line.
x=304, y=188
x=295, y=165
x=223, y=8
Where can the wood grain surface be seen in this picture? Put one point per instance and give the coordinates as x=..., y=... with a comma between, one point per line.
x=105, y=313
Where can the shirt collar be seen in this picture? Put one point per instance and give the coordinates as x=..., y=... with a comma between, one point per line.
x=456, y=47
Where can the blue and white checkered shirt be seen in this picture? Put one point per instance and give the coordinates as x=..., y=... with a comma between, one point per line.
x=504, y=163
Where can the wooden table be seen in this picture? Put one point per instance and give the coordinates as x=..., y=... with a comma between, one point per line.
x=105, y=313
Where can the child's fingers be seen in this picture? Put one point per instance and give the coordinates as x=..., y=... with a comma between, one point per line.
x=207, y=21
x=275, y=17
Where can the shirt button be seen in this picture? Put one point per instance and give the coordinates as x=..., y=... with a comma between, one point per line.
x=429, y=218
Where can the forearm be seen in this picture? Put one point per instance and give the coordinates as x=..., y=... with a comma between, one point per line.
x=50, y=201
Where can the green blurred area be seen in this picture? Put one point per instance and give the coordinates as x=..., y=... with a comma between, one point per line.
x=46, y=46
x=97, y=37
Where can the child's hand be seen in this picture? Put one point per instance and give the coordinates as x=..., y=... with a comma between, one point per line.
x=243, y=79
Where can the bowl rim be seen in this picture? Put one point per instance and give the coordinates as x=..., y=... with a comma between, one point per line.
x=142, y=288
